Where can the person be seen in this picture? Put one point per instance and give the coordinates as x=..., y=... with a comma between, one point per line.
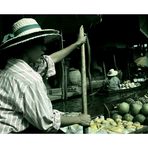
x=140, y=73
x=112, y=82
x=23, y=95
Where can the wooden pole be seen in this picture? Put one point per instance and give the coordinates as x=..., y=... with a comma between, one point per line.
x=83, y=78
x=115, y=63
x=63, y=72
x=64, y=75
x=104, y=69
x=88, y=65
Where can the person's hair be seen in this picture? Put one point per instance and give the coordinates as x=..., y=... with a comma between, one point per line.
x=17, y=51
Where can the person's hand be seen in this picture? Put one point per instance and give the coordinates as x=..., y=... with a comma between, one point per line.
x=84, y=119
x=81, y=39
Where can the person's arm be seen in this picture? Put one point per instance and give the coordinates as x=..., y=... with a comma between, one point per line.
x=59, y=55
x=81, y=119
x=38, y=110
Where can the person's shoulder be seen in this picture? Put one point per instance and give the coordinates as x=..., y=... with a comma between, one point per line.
x=117, y=79
x=25, y=78
x=114, y=78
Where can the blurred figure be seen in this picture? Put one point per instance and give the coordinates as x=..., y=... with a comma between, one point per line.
x=112, y=82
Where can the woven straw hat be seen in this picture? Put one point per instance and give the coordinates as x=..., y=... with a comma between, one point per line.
x=112, y=72
x=25, y=30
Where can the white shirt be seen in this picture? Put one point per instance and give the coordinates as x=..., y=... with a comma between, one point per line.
x=24, y=100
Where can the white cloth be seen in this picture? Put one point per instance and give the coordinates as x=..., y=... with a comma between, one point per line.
x=24, y=100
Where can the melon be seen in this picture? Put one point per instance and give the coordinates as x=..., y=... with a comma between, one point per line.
x=128, y=117
x=139, y=118
x=139, y=102
x=116, y=116
x=144, y=109
x=135, y=108
x=123, y=107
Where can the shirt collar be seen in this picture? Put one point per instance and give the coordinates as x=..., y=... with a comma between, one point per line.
x=18, y=64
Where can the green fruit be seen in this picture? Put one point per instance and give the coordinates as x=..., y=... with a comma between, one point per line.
x=123, y=108
x=135, y=108
x=139, y=102
x=128, y=117
x=144, y=109
x=116, y=116
x=139, y=118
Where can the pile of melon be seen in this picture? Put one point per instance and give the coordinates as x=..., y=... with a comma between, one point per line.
x=130, y=110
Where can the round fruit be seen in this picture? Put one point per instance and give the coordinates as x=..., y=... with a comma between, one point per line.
x=139, y=118
x=144, y=109
x=123, y=108
x=139, y=102
x=135, y=108
x=128, y=117
x=116, y=116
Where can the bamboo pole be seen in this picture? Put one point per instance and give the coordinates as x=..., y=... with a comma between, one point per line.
x=89, y=63
x=64, y=74
x=63, y=71
x=104, y=69
x=115, y=63
x=83, y=78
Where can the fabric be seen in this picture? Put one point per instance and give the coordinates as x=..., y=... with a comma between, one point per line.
x=113, y=83
x=46, y=67
x=24, y=100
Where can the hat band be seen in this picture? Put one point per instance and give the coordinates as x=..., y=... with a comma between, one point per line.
x=25, y=28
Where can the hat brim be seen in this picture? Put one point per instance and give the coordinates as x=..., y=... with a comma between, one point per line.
x=51, y=35
x=113, y=74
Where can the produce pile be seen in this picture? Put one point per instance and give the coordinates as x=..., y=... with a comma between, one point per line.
x=109, y=126
x=126, y=117
x=128, y=84
x=133, y=110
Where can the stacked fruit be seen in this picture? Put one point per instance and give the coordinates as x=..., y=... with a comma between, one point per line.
x=128, y=84
x=134, y=111
x=116, y=125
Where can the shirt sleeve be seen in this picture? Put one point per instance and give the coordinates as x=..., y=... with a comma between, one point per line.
x=46, y=67
x=38, y=109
